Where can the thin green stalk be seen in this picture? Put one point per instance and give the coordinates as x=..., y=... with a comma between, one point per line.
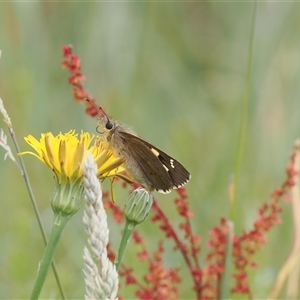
x=60, y=222
x=244, y=117
x=31, y=195
x=129, y=226
x=136, y=211
x=35, y=207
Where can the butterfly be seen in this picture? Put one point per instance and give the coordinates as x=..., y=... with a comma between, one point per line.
x=146, y=164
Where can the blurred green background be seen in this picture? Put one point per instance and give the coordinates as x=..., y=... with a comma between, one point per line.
x=176, y=73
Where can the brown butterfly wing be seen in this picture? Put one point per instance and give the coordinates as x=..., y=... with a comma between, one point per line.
x=161, y=170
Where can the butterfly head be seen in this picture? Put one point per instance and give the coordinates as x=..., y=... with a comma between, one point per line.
x=106, y=126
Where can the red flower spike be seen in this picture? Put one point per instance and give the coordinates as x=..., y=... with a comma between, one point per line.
x=161, y=283
x=110, y=253
x=128, y=274
x=251, y=241
x=189, y=249
x=118, y=214
x=215, y=260
x=137, y=238
x=143, y=254
x=67, y=51
x=73, y=64
x=182, y=205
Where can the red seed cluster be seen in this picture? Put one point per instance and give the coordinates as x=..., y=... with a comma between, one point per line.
x=72, y=63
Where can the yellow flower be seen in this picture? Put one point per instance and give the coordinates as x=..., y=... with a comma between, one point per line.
x=64, y=154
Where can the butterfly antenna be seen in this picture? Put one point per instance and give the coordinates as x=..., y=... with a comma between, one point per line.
x=99, y=108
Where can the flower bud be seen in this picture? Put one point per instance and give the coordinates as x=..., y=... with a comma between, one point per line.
x=67, y=197
x=138, y=206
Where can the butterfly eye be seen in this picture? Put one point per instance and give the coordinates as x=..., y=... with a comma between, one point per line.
x=109, y=125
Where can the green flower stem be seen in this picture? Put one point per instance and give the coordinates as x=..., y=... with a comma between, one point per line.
x=136, y=211
x=32, y=197
x=244, y=117
x=129, y=226
x=60, y=221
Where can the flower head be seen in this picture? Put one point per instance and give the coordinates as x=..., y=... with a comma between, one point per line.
x=64, y=154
